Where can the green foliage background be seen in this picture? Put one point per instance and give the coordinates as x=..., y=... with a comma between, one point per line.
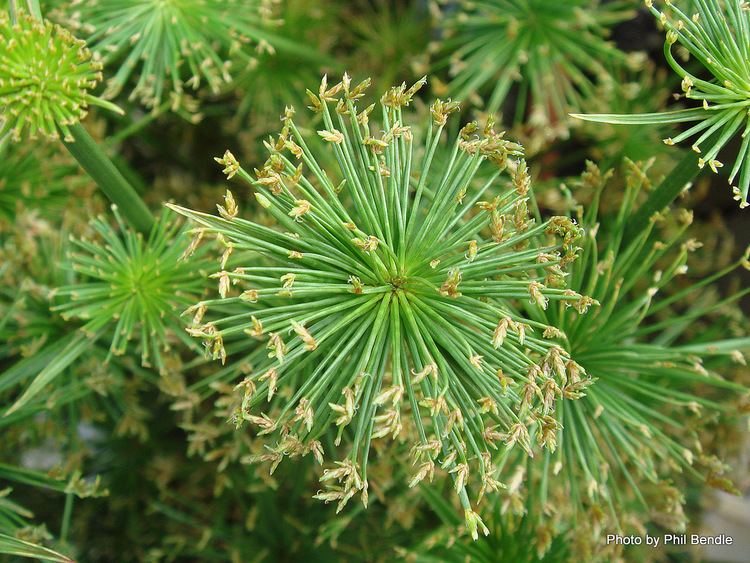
x=121, y=435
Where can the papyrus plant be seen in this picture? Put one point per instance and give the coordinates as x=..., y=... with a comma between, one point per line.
x=119, y=292
x=133, y=287
x=384, y=294
x=46, y=78
x=662, y=351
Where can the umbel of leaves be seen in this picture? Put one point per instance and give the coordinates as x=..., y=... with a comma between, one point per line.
x=556, y=52
x=717, y=35
x=45, y=78
x=167, y=43
x=657, y=380
x=133, y=288
x=382, y=294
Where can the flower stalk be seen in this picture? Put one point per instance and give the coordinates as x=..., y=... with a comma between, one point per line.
x=110, y=180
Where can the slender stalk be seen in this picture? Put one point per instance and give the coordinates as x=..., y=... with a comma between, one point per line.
x=101, y=169
x=67, y=516
x=69, y=498
x=665, y=193
x=34, y=9
x=12, y=11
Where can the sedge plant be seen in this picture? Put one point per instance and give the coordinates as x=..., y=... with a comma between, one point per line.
x=135, y=284
x=661, y=359
x=124, y=287
x=46, y=76
x=165, y=47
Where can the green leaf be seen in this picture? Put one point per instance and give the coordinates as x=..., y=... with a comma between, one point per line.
x=678, y=116
x=717, y=347
x=30, y=477
x=13, y=546
x=75, y=347
x=28, y=367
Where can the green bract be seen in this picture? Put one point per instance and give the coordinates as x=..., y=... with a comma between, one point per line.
x=164, y=44
x=387, y=292
x=45, y=78
x=715, y=33
x=555, y=51
x=132, y=287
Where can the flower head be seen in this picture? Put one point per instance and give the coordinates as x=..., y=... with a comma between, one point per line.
x=649, y=373
x=45, y=78
x=383, y=296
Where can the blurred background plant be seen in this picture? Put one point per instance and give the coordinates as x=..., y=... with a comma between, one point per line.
x=547, y=59
x=165, y=46
x=117, y=439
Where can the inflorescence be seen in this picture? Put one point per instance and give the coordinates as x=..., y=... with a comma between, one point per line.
x=556, y=52
x=387, y=292
x=131, y=287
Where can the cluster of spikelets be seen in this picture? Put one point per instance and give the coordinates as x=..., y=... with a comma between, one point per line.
x=655, y=390
x=661, y=385
x=379, y=294
x=622, y=429
x=45, y=78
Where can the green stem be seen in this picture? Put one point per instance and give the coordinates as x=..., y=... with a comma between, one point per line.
x=101, y=169
x=665, y=193
x=72, y=423
x=34, y=8
x=12, y=11
x=67, y=517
